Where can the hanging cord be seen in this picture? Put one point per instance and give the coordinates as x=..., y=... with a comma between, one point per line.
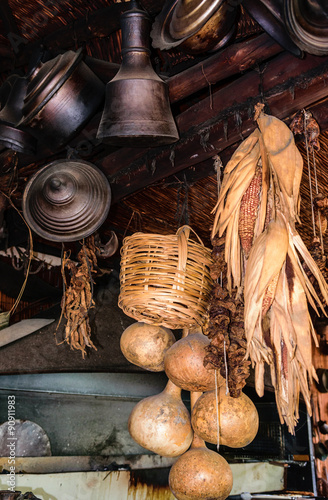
x=182, y=208
x=309, y=171
x=225, y=366
x=218, y=166
x=65, y=256
x=209, y=87
x=217, y=411
x=14, y=307
x=317, y=192
x=306, y=116
x=138, y=224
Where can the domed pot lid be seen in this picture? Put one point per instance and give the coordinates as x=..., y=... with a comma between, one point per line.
x=190, y=15
x=66, y=200
x=160, y=33
x=268, y=14
x=307, y=23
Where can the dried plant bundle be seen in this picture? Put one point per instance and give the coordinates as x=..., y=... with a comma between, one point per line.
x=78, y=296
x=266, y=258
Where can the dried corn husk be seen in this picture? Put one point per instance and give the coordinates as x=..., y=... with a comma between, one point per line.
x=238, y=175
x=285, y=160
x=277, y=289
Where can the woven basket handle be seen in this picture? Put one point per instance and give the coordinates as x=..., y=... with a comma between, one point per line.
x=183, y=234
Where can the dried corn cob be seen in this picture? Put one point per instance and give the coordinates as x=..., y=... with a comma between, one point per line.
x=248, y=212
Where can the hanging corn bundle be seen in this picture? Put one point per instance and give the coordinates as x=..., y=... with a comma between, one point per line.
x=257, y=208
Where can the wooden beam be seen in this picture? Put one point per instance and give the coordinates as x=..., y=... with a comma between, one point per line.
x=287, y=85
x=230, y=61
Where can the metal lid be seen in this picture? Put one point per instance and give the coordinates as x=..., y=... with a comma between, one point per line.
x=160, y=34
x=48, y=79
x=16, y=139
x=269, y=13
x=11, y=136
x=66, y=200
x=307, y=23
x=190, y=15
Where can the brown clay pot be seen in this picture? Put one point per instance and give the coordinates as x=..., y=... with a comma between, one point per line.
x=145, y=345
x=238, y=419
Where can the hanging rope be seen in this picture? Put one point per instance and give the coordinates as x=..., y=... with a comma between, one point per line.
x=217, y=411
x=305, y=115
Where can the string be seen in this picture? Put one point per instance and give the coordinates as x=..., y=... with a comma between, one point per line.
x=317, y=192
x=309, y=172
x=217, y=412
x=218, y=165
x=225, y=366
x=210, y=88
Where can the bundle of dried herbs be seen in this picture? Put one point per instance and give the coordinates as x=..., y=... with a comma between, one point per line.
x=78, y=296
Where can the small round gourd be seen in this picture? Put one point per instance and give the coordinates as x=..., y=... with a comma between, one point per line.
x=238, y=419
x=145, y=345
x=161, y=423
x=183, y=364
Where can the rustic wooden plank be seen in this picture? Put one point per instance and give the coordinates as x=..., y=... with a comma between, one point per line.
x=234, y=59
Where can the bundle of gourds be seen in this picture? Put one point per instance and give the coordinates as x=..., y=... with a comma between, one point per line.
x=257, y=209
x=162, y=423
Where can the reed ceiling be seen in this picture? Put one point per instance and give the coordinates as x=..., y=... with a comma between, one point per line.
x=188, y=194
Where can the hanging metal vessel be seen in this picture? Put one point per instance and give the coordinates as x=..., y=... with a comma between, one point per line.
x=137, y=109
x=307, y=23
x=66, y=200
x=61, y=98
x=11, y=135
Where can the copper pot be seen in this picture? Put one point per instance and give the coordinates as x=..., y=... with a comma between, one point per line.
x=62, y=96
x=207, y=25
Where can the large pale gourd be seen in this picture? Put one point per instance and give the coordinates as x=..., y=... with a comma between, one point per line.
x=238, y=419
x=183, y=364
x=161, y=423
x=145, y=345
x=200, y=474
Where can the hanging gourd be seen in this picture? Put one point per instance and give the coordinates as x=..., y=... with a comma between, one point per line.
x=145, y=345
x=161, y=423
x=234, y=420
x=200, y=473
x=183, y=364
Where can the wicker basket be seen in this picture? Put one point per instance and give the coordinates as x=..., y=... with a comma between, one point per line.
x=165, y=280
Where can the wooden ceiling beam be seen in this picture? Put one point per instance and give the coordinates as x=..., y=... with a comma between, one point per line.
x=234, y=59
x=286, y=85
